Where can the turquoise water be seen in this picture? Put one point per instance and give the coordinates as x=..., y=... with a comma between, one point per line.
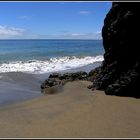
x=35, y=55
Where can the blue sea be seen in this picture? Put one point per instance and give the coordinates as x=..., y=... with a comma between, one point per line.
x=42, y=56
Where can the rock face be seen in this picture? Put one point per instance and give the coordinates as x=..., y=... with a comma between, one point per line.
x=120, y=71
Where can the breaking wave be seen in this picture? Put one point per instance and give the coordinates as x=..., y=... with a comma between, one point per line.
x=50, y=65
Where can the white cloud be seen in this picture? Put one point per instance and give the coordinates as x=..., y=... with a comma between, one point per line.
x=67, y=35
x=98, y=32
x=77, y=34
x=95, y=35
x=6, y=32
x=23, y=17
x=84, y=12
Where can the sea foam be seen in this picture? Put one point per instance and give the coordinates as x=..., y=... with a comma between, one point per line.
x=50, y=65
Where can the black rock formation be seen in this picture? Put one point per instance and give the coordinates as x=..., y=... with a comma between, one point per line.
x=120, y=71
x=56, y=81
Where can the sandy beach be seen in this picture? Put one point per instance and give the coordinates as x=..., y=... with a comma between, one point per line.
x=76, y=112
x=53, y=58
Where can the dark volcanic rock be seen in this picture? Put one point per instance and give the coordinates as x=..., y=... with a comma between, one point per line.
x=56, y=81
x=120, y=71
x=94, y=74
x=74, y=76
x=55, y=75
x=51, y=85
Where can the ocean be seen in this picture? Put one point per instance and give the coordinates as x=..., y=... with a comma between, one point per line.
x=42, y=56
x=25, y=64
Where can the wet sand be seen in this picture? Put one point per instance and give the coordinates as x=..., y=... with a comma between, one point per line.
x=17, y=86
x=76, y=112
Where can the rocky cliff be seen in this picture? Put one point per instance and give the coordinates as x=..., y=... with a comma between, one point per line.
x=120, y=71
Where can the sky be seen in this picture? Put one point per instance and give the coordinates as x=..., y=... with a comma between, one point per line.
x=52, y=20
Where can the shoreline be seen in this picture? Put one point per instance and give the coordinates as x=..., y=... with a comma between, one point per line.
x=18, y=87
x=73, y=113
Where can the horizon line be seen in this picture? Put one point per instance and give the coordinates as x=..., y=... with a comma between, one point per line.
x=48, y=39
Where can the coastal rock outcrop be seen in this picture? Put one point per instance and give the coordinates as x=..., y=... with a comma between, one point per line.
x=56, y=81
x=120, y=71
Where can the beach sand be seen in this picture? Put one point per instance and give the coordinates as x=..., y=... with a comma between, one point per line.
x=76, y=112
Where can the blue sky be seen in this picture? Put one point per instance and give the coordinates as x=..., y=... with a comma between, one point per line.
x=58, y=20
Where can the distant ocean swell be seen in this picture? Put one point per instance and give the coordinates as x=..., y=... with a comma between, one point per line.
x=51, y=65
